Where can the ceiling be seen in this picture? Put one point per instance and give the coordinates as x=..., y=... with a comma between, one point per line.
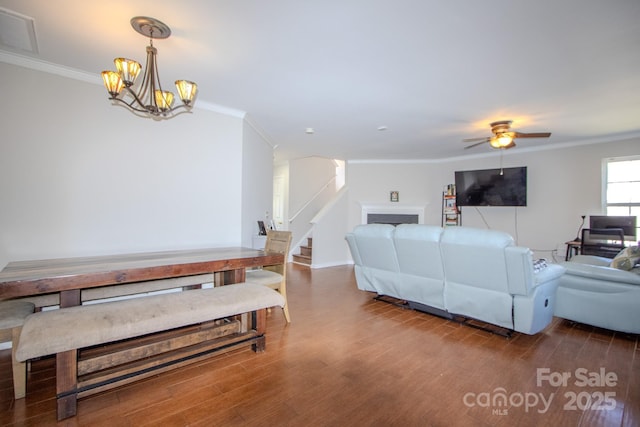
x=429, y=73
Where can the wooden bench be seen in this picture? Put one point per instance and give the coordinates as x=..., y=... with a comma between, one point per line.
x=105, y=345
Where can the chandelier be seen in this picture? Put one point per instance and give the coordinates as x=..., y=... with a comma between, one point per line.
x=147, y=99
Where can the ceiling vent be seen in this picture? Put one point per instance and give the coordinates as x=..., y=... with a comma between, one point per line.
x=17, y=32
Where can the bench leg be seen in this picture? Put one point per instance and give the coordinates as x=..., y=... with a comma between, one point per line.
x=66, y=383
x=259, y=324
x=19, y=368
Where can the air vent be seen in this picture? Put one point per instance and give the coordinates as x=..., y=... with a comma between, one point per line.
x=17, y=32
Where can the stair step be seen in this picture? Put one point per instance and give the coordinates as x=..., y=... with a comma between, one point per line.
x=310, y=241
x=305, y=250
x=302, y=259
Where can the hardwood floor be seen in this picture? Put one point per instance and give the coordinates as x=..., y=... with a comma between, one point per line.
x=348, y=360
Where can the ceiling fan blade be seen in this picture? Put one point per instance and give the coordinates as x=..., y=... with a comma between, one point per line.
x=532, y=135
x=475, y=139
x=477, y=143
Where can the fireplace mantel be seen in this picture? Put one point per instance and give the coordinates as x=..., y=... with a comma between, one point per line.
x=392, y=208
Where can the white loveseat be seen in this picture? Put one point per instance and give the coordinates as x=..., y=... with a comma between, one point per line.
x=456, y=271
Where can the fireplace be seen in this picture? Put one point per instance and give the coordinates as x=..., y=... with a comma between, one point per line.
x=386, y=214
x=393, y=219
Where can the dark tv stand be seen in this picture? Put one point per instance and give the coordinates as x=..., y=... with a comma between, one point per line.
x=604, y=242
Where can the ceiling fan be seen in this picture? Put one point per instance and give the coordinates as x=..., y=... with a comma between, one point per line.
x=504, y=136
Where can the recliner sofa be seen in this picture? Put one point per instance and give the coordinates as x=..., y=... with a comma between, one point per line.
x=456, y=271
x=595, y=293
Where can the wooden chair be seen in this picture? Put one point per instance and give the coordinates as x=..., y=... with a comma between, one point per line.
x=12, y=316
x=274, y=276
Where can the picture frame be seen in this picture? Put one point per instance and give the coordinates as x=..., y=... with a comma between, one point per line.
x=394, y=196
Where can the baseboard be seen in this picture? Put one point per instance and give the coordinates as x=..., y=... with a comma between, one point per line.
x=330, y=264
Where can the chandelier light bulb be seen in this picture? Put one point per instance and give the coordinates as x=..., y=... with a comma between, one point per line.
x=128, y=70
x=186, y=91
x=112, y=82
x=164, y=99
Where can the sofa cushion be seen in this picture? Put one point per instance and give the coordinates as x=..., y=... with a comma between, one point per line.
x=626, y=258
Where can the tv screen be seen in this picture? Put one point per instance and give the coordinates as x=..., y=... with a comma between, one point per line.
x=492, y=187
x=627, y=223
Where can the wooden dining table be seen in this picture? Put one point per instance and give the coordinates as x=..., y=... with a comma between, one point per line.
x=69, y=276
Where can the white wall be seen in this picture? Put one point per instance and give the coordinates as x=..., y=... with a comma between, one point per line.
x=307, y=176
x=329, y=246
x=79, y=176
x=308, y=179
x=281, y=195
x=562, y=185
x=257, y=174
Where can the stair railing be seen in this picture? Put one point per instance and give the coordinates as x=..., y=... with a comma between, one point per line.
x=314, y=197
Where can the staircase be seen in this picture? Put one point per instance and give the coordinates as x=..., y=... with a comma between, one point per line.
x=304, y=257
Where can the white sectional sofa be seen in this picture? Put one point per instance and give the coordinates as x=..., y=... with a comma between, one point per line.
x=456, y=271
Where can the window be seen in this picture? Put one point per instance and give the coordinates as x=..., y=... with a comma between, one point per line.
x=622, y=190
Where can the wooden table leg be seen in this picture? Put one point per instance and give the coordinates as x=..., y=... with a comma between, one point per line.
x=233, y=276
x=259, y=323
x=70, y=298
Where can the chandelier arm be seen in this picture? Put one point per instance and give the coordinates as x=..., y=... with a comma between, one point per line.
x=131, y=105
x=137, y=99
x=170, y=112
x=174, y=111
x=156, y=75
x=147, y=80
x=154, y=82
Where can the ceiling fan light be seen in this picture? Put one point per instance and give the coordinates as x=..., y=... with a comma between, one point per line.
x=186, y=91
x=501, y=141
x=112, y=82
x=128, y=69
x=504, y=140
x=164, y=99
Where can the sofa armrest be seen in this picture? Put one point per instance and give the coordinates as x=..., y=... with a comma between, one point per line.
x=591, y=260
x=522, y=278
x=353, y=248
x=547, y=274
x=597, y=272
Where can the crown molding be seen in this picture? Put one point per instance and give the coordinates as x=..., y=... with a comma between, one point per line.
x=83, y=76
x=48, y=67
x=559, y=146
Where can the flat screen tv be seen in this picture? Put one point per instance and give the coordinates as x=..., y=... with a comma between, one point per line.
x=492, y=187
x=627, y=223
